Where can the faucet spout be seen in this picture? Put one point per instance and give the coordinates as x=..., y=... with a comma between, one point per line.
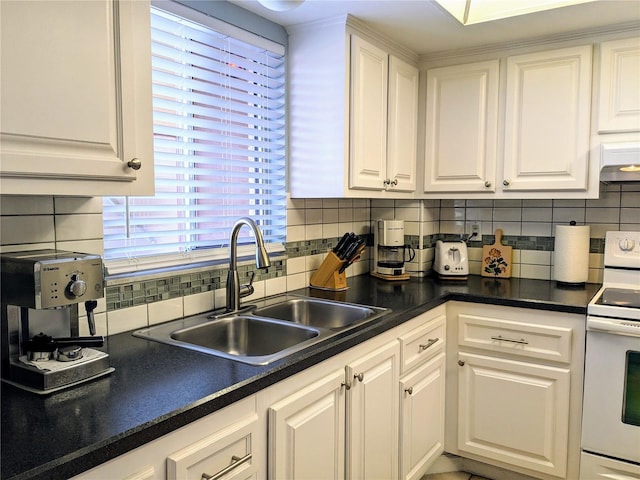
x=262, y=261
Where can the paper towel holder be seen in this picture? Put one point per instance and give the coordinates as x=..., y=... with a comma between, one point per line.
x=574, y=279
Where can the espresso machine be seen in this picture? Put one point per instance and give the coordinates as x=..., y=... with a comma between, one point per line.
x=41, y=290
x=389, y=250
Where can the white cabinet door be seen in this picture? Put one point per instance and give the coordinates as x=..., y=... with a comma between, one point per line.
x=619, y=100
x=76, y=98
x=422, y=394
x=461, y=128
x=403, y=126
x=306, y=432
x=372, y=415
x=369, y=87
x=547, y=120
x=514, y=412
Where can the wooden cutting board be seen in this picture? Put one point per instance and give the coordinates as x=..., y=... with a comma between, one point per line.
x=496, y=258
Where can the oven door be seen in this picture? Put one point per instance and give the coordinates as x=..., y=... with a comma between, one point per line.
x=611, y=413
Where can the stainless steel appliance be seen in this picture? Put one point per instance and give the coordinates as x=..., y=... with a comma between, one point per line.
x=390, y=252
x=451, y=260
x=611, y=409
x=41, y=350
x=620, y=162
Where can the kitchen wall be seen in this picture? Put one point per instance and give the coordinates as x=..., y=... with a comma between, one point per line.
x=314, y=225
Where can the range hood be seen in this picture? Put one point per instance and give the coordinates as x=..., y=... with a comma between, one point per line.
x=620, y=162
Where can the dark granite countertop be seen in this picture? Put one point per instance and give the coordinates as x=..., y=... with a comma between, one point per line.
x=158, y=388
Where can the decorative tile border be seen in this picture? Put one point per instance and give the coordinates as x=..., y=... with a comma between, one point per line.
x=541, y=244
x=182, y=285
x=315, y=247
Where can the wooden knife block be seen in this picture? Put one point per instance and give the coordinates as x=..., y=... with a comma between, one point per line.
x=327, y=276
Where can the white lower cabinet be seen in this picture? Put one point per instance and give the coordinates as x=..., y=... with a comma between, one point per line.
x=224, y=445
x=343, y=424
x=306, y=431
x=514, y=388
x=372, y=414
x=422, y=417
x=352, y=416
x=422, y=390
x=514, y=412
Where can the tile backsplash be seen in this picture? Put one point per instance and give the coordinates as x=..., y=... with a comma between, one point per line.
x=313, y=228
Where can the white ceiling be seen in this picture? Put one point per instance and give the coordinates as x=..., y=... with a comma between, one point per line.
x=425, y=27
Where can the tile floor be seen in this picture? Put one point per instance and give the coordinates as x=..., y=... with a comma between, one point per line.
x=453, y=476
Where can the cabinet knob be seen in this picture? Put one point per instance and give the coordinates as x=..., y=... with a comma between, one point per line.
x=487, y=184
x=346, y=385
x=461, y=363
x=386, y=182
x=134, y=164
x=359, y=377
x=506, y=182
x=394, y=182
x=409, y=390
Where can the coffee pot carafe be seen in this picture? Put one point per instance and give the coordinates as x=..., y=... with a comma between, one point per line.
x=41, y=348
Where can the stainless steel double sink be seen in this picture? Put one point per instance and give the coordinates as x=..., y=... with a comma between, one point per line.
x=282, y=326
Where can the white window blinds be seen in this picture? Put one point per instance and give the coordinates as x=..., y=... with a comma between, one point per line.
x=219, y=142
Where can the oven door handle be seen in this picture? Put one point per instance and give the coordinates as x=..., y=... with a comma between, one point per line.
x=617, y=327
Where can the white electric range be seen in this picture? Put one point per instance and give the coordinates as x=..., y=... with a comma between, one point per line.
x=611, y=407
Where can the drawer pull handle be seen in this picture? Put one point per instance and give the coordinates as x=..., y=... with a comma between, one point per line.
x=430, y=342
x=235, y=462
x=522, y=341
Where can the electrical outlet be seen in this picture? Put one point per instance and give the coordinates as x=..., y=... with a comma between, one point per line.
x=476, y=228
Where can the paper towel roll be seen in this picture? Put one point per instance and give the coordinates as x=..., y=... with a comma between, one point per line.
x=571, y=254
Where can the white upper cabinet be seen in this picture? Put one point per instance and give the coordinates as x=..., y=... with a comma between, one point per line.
x=402, y=139
x=548, y=112
x=384, y=119
x=354, y=113
x=461, y=128
x=76, y=113
x=369, y=91
x=537, y=148
x=619, y=95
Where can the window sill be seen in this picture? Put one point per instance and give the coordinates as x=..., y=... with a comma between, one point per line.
x=156, y=273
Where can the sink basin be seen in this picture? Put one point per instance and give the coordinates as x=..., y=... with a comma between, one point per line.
x=245, y=336
x=286, y=325
x=318, y=313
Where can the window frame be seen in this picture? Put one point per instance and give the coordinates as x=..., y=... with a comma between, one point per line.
x=215, y=255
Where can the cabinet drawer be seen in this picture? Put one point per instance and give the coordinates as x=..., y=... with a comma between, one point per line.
x=422, y=343
x=225, y=454
x=544, y=342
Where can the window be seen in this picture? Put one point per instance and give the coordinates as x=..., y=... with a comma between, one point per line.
x=219, y=147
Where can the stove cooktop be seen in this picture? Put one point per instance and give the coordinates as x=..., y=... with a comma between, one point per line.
x=619, y=297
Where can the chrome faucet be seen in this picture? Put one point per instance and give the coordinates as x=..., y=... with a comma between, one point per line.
x=235, y=291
